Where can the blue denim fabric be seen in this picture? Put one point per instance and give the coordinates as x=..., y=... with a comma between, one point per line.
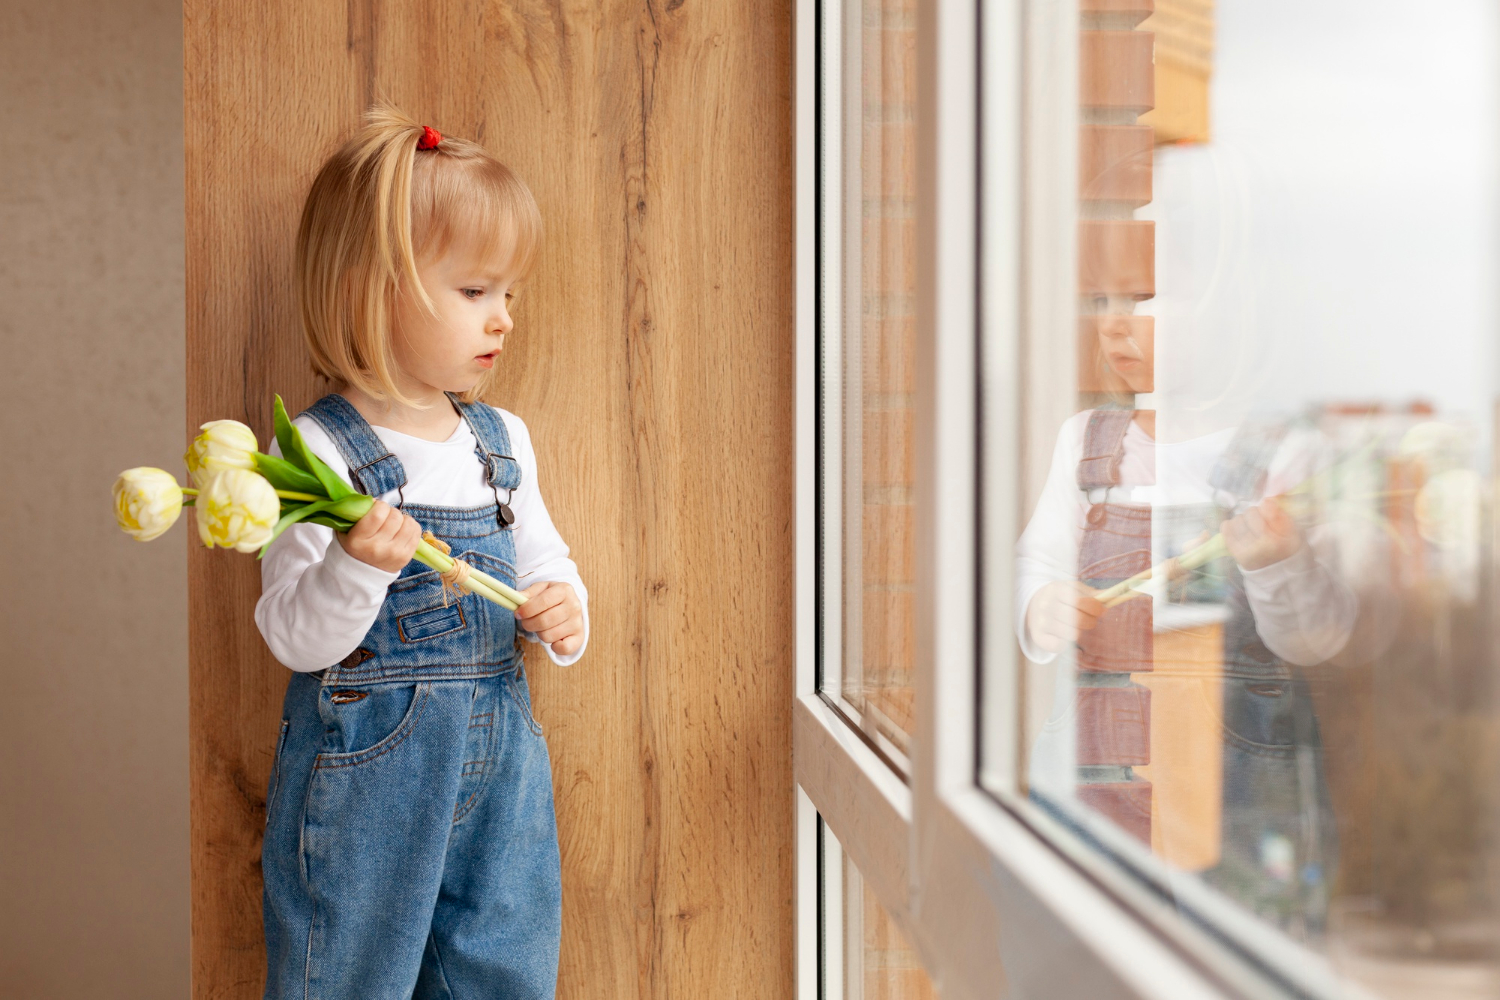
x=1274, y=781
x=411, y=841
x=1275, y=792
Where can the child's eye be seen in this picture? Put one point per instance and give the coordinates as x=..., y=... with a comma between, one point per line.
x=473, y=293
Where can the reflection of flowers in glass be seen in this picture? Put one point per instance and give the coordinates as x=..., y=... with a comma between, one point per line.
x=1447, y=509
x=237, y=509
x=1439, y=445
x=147, y=502
x=221, y=445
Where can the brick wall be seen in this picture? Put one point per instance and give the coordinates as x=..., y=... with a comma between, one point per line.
x=887, y=336
x=1116, y=268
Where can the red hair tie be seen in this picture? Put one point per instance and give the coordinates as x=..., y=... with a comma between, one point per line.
x=430, y=138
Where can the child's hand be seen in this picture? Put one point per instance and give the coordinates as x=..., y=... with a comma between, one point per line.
x=553, y=614
x=384, y=538
x=1059, y=612
x=1262, y=535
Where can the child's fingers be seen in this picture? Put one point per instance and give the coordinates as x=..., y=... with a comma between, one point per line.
x=535, y=591
x=1275, y=517
x=409, y=535
x=546, y=619
x=560, y=633
x=396, y=527
x=374, y=519
x=1086, y=604
x=544, y=596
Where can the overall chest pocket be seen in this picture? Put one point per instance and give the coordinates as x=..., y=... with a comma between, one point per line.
x=431, y=622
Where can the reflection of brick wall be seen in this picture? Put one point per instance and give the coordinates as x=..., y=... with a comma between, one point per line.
x=888, y=339
x=1116, y=267
x=891, y=969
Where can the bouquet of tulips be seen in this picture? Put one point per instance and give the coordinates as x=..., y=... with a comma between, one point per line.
x=243, y=499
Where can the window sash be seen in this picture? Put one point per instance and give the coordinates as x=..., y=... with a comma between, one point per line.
x=987, y=887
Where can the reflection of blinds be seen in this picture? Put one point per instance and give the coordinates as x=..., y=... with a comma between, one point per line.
x=1184, y=31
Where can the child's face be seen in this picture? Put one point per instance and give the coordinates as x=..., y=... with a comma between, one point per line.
x=453, y=347
x=1127, y=348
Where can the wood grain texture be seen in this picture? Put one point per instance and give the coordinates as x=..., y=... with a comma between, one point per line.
x=653, y=363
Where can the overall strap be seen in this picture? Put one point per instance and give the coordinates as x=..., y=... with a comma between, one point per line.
x=372, y=469
x=1103, y=449
x=1239, y=476
x=492, y=443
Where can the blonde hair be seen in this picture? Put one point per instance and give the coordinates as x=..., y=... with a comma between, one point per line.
x=375, y=208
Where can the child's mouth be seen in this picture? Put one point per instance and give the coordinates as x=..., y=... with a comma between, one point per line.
x=486, y=360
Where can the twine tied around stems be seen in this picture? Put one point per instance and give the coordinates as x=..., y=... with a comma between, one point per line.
x=457, y=574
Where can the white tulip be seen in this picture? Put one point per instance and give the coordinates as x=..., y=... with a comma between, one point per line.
x=221, y=445
x=147, y=502
x=237, y=509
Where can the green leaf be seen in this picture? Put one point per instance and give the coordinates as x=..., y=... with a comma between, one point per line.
x=332, y=482
x=331, y=521
x=285, y=476
x=284, y=429
x=334, y=487
x=296, y=451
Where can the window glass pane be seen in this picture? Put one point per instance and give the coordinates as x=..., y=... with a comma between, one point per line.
x=1255, y=581
x=873, y=959
x=879, y=964
x=875, y=369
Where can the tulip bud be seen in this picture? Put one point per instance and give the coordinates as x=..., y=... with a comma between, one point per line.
x=147, y=502
x=237, y=510
x=222, y=445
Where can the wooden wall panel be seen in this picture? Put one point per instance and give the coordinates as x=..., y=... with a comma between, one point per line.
x=653, y=363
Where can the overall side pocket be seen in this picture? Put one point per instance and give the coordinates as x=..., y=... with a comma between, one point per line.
x=520, y=693
x=421, y=696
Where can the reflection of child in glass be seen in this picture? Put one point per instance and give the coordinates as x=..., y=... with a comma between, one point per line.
x=411, y=841
x=1118, y=500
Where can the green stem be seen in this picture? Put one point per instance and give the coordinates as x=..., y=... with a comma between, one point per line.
x=430, y=556
x=290, y=495
x=1192, y=559
x=499, y=587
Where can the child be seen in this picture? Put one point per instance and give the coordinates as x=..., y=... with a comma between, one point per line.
x=411, y=843
x=1118, y=500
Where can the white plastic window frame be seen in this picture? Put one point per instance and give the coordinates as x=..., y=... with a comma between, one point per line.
x=996, y=897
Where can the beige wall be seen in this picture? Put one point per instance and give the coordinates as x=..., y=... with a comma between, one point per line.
x=93, y=715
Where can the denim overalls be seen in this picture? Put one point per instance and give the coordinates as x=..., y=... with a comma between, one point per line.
x=411, y=842
x=1275, y=796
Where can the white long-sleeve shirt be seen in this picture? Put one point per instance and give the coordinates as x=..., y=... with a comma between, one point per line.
x=317, y=602
x=1303, y=612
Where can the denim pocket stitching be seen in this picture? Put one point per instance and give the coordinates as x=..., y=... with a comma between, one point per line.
x=1273, y=750
x=327, y=761
x=286, y=725
x=515, y=693
x=463, y=622
x=476, y=558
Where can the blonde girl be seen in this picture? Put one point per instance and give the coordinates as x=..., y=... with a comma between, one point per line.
x=411, y=845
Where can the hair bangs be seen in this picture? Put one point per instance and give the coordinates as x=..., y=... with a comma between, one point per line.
x=475, y=206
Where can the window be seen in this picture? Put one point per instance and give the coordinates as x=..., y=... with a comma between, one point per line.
x=1147, y=422
x=868, y=348
x=864, y=954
